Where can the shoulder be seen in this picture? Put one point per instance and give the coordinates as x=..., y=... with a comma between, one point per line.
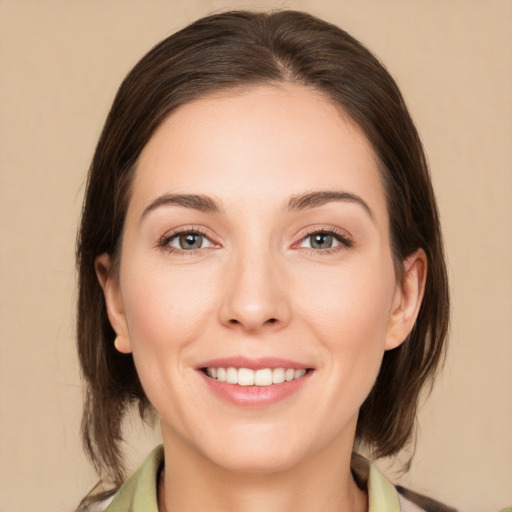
x=102, y=505
x=139, y=491
x=383, y=495
x=411, y=501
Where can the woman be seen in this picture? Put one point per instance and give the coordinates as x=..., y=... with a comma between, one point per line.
x=261, y=264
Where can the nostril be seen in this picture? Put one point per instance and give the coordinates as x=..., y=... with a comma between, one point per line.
x=234, y=321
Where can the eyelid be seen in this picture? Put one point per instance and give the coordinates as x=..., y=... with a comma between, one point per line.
x=344, y=237
x=163, y=241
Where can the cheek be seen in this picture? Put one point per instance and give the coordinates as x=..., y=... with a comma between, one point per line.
x=166, y=307
x=349, y=315
x=351, y=301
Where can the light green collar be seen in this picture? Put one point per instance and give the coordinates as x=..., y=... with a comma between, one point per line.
x=139, y=492
x=382, y=495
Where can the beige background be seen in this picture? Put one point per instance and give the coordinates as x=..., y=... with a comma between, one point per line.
x=60, y=65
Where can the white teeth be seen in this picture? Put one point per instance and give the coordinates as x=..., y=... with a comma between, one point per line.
x=299, y=373
x=231, y=376
x=277, y=375
x=248, y=377
x=263, y=377
x=245, y=377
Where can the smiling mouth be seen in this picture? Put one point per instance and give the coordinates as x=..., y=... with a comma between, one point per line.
x=248, y=377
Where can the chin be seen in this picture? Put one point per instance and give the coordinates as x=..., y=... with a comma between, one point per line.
x=257, y=460
x=258, y=449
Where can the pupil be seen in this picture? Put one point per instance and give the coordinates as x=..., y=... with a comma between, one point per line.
x=190, y=241
x=322, y=241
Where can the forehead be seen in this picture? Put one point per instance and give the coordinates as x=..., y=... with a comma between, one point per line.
x=256, y=144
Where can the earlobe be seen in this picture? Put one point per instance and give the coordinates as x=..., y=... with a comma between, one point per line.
x=407, y=300
x=122, y=344
x=113, y=301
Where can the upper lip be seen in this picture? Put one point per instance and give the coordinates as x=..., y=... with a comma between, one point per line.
x=253, y=363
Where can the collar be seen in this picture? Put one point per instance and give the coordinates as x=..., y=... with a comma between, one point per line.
x=382, y=495
x=139, y=491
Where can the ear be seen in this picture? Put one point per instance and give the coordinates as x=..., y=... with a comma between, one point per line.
x=407, y=299
x=115, y=309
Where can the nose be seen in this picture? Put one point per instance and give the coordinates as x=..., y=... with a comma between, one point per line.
x=254, y=296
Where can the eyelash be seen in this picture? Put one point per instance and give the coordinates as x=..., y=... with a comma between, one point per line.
x=164, y=242
x=343, y=238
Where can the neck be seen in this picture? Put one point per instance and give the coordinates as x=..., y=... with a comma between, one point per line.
x=190, y=482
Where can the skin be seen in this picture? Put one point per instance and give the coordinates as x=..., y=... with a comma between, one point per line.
x=257, y=289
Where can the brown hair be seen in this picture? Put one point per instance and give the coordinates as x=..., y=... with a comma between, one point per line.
x=242, y=49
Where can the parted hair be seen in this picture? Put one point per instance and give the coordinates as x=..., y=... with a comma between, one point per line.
x=229, y=51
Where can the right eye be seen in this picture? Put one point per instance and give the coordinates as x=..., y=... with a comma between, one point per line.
x=188, y=241
x=321, y=240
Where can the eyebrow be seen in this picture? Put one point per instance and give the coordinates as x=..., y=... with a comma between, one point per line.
x=196, y=201
x=299, y=202
x=315, y=199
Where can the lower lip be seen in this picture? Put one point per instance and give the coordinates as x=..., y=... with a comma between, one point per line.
x=255, y=396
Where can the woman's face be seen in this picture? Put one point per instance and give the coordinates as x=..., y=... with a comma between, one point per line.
x=256, y=249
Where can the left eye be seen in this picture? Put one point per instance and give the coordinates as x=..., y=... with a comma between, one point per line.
x=320, y=240
x=189, y=241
